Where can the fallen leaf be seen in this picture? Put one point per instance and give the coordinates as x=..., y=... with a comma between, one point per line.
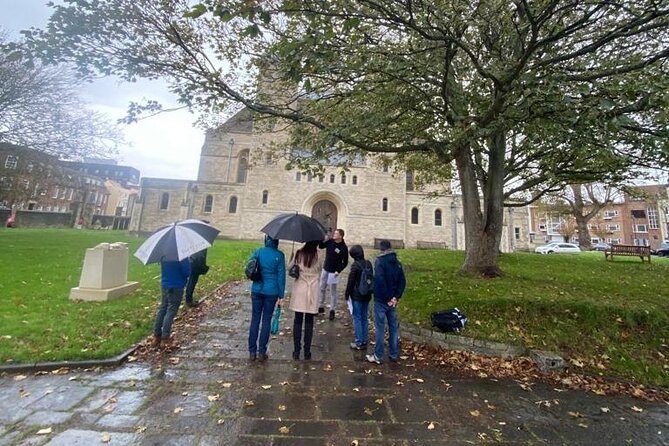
x=379, y=401
x=249, y=403
x=430, y=426
x=220, y=421
x=575, y=414
x=474, y=413
x=267, y=386
x=140, y=429
x=354, y=443
x=227, y=385
x=583, y=425
x=282, y=407
x=605, y=409
x=178, y=410
x=213, y=398
x=420, y=380
x=20, y=377
x=44, y=431
x=637, y=409
x=284, y=430
x=105, y=437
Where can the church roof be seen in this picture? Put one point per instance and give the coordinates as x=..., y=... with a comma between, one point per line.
x=241, y=122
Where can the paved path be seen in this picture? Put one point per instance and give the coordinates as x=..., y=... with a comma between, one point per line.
x=209, y=394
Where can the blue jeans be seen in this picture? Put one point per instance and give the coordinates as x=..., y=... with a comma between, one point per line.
x=262, y=309
x=361, y=321
x=381, y=312
x=169, y=304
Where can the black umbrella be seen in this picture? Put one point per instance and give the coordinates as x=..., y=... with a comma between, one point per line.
x=295, y=227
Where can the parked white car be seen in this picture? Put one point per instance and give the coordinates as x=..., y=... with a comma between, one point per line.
x=557, y=248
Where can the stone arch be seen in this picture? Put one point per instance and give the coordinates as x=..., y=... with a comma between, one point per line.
x=335, y=199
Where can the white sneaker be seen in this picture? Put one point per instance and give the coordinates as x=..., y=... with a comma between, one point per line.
x=373, y=358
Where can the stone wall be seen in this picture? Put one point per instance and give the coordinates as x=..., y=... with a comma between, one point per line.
x=4, y=215
x=39, y=219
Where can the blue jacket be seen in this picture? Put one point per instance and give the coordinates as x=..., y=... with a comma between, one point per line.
x=389, y=279
x=174, y=274
x=272, y=269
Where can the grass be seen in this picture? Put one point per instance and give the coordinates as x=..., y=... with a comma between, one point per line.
x=606, y=317
x=38, y=322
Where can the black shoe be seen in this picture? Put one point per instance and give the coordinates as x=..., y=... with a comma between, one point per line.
x=296, y=356
x=332, y=315
x=355, y=346
x=252, y=356
x=262, y=357
x=307, y=356
x=321, y=310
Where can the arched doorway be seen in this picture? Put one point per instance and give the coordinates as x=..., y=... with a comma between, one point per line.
x=325, y=212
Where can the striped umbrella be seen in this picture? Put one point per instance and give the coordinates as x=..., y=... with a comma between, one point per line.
x=177, y=241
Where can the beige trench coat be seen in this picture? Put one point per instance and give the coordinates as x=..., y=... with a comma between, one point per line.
x=306, y=289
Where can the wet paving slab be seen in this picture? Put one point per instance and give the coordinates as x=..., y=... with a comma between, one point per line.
x=208, y=393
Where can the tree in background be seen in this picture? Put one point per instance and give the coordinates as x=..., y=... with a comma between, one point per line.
x=523, y=98
x=40, y=108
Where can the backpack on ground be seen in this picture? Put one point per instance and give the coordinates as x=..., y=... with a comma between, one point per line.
x=452, y=320
x=366, y=283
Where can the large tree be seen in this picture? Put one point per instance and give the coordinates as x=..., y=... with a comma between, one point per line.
x=40, y=108
x=522, y=97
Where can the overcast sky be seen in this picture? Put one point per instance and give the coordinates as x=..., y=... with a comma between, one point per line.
x=164, y=146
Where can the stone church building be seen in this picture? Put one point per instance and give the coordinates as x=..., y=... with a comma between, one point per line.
x=242, y=185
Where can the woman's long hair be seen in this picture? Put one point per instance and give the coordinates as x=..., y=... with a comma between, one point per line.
x=307, y=254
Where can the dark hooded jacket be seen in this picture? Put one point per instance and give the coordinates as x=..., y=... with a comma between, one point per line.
x=358, y=256
x=389, y=279
x=272, y=268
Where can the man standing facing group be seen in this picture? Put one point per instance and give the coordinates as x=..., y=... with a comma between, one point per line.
x=336, y=259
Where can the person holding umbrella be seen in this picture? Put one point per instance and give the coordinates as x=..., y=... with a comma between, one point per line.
x=171, y=245
x=304, y=297
x=264, y=296
x=173, y=278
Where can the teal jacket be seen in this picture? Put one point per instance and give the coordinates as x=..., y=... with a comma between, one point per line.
x=272, y=268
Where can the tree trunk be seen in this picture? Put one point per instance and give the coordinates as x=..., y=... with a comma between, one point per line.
x=483, y=220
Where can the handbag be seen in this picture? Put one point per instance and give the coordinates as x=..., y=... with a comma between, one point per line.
x=294, y=271
x=252, y=269
x=275, y=320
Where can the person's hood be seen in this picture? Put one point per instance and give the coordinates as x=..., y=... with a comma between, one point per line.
x=388, y=256
x=271, y=243
x=356, y=252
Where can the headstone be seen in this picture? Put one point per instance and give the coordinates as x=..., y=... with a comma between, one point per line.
x=105, y=274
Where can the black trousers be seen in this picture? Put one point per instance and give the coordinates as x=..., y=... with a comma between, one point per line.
x=308, y=331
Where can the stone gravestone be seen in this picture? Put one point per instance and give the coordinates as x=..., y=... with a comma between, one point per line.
x=105, y=274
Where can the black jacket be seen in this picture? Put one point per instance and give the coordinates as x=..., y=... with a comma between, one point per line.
x=198, y=263
x=354, y=277
x=336, y=255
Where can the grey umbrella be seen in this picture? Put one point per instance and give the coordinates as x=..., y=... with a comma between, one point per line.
x=295, y=227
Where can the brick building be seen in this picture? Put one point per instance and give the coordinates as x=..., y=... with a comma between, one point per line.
x=640, y=219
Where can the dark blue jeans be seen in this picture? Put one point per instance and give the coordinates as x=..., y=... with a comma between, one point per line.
x=381, y=313
x=169, y=304
x=190, y=287
x=262, y=309
x=361, y=321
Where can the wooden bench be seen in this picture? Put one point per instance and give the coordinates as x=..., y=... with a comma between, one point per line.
x=627, y=250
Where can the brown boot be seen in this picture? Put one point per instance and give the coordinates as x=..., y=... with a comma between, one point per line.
x=166, y=344
x=156, y=342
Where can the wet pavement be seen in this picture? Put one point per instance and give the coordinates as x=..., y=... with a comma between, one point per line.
x=208, y=393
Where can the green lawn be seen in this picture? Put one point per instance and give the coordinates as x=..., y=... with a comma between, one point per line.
x=38, y=322
x=608, y=317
